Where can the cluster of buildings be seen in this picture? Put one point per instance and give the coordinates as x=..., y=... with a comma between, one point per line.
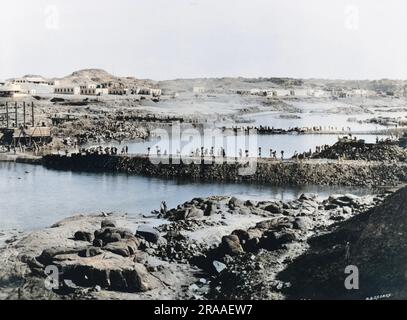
x=285, y=92
x=102, y=89
x=21, y=87
x=319, y=93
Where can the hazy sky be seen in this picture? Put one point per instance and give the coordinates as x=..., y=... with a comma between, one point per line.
x=166, y=39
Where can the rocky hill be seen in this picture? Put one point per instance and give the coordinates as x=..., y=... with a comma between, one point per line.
x=374, y=242
x=101, y=76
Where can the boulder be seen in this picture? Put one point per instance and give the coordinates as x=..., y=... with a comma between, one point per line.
x=124, y=248
x=242, y=235
x=90, y=252
x=174, y=235
x=47, y=256
x=219, y=266
x=148, y=233
x=235, y=203
x=194, y=213
x=83, y=236
x=309, y=197
x=303, y=223
x=273, y=208
x=112, y=237
x=109, y=235
x=231, y=246
x=108, y=223
x=211, y=208
x=110, y=272
x=98, y=243
x=275, y=240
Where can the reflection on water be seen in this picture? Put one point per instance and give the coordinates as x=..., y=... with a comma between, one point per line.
x=332, y=122
x=34, y=197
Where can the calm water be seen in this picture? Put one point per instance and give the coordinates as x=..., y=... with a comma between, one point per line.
x=33, y=197
x=337, y=121
x=325, y=115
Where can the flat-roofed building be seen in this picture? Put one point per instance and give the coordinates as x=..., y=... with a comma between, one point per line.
x=119, y=91
x=11, y=91
x=93, y=90
x=68, y=90
x=199, y=90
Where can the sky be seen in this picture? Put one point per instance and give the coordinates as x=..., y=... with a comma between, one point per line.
x=168, y=39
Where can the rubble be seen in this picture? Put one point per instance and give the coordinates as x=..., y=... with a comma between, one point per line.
x=105, y=258
x=359, y=150
x=373, y=242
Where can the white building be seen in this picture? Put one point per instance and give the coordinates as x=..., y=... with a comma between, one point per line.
x=30, y=80
x=119, y=91
x=301, y=92
x=156, y=92
x=284, y=92
x=12, y=91
x=68, y=90
x=361, y=93
x=93, y=90
x=318, y=93
x=199, y=90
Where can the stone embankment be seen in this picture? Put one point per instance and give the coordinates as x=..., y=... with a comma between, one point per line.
x=20, y=158
x=267, y=171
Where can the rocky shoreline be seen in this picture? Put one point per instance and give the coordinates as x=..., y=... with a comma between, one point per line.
x=207, y=248
x=268, y=171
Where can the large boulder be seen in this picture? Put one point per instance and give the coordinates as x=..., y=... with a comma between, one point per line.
x=235, y=203
x=148, y=233
x=125, y=248
x=303, y=223
x=273, y=208
x=109, y=272
x=83, y=236
x=194, y=213
x=108, y=223
x=90, y=252
x=273, y=240
x=231, y=246
x=110, y=234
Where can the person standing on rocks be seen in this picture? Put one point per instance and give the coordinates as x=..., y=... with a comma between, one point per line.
x=163, y=208
x=282, y=155
x=347, y=252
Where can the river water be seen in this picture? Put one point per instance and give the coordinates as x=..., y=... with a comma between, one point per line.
x=33, y=197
